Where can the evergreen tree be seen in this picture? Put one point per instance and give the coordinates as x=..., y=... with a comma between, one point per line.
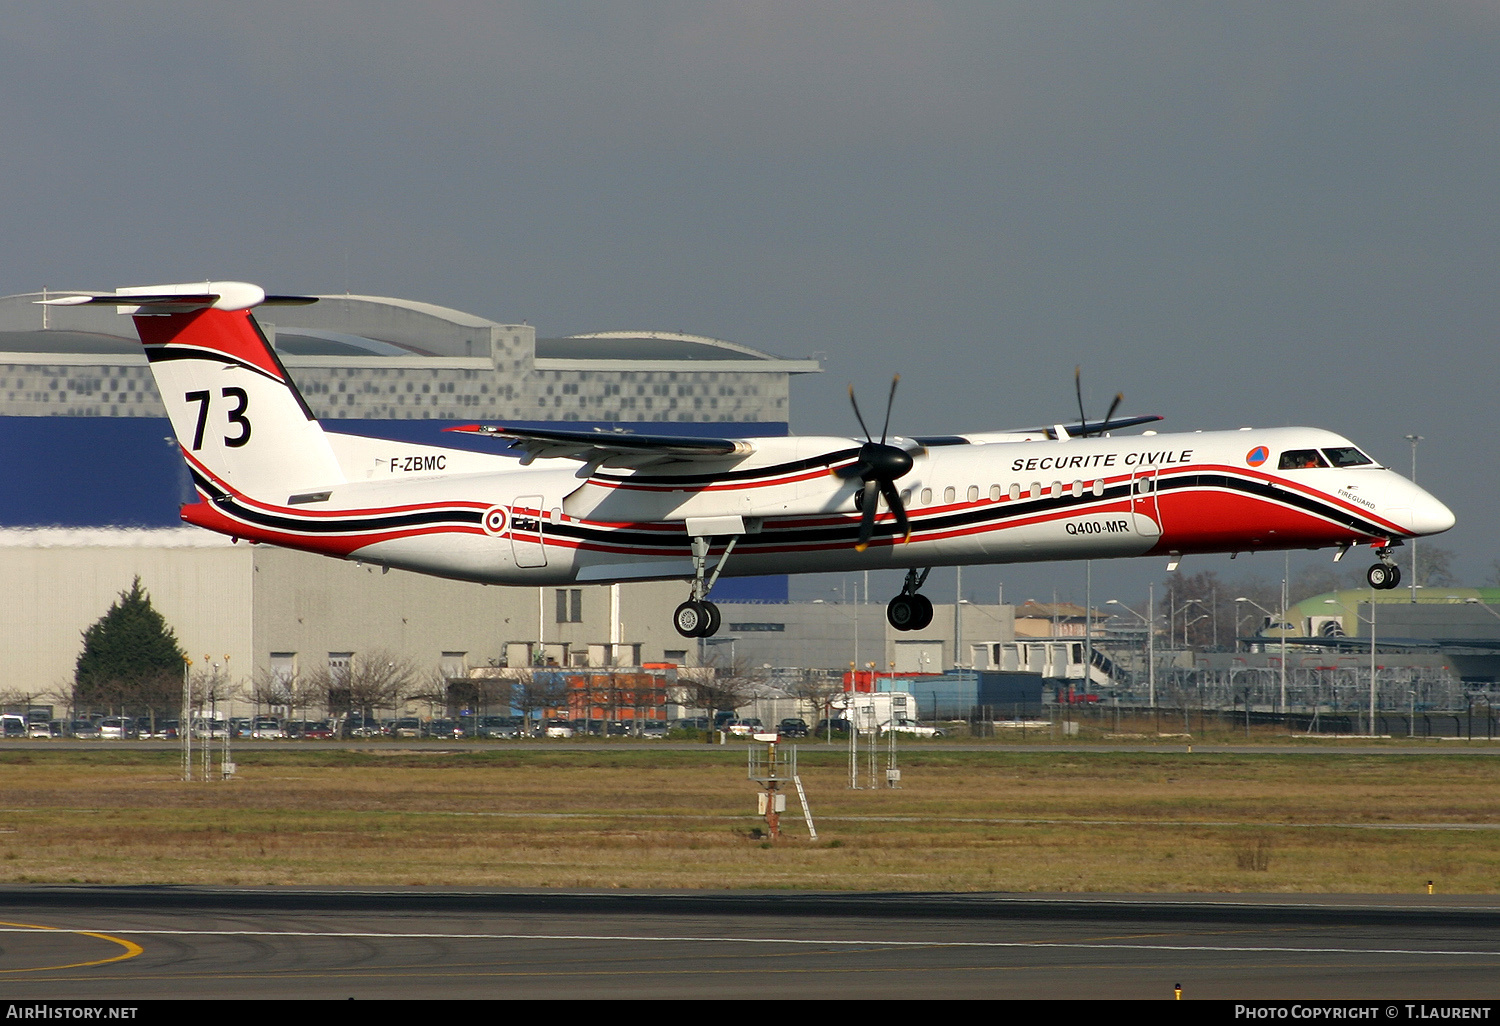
x=130, y=658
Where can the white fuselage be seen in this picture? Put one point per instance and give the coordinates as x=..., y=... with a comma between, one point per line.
x=984, y=499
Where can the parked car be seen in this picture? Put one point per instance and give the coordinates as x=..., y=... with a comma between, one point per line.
x=746, y=727
x=117, y=728
x=501, y=728
x=793, y=727
x=310, y=730
x=911, y=728
x=559, y=728
x=12, y=726
x=410, y=726
x=357, y=726
x=84, y=730
x=210, y=729
x=656, y=730
x=39, y=730
x=838, y=725
x=268, y=728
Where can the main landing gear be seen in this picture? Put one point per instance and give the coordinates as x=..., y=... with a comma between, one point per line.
x=910, y=611
x=698, y=617
x=1383, y=575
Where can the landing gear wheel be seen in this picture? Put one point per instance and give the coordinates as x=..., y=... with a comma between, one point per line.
x=697, y=619
x=901, y=613
x=690, y=619
x=1381, y=576
x=1395, y=576
x=909, y=612
x=924, y=612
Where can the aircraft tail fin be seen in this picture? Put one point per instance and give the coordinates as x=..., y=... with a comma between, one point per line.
x=238, y=417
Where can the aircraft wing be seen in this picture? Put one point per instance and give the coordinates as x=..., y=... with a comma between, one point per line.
x=618, y=449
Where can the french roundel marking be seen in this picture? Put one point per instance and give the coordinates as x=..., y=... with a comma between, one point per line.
x=1255, y=457
x=494, y=520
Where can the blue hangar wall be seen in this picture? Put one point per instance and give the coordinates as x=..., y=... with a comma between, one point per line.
x=126, y=472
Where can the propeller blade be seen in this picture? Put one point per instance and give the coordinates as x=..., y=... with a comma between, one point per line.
x=1119, y=398
x=867, y=514
x=853, y=403
x=893, y=500
x=889, y=402
x=1078, y=389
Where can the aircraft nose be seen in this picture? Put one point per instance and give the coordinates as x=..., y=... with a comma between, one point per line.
x=1431, y=517
x=1420, y=513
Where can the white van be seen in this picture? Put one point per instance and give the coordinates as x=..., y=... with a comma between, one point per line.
x=12, y=726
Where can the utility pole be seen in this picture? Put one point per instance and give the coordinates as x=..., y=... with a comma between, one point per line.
x=1413, y=439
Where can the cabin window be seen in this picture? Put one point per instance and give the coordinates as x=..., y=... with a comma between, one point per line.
x=926, y=496
x=973, y=493
x=995, y=493
x=1056, y=489
x=1015, y=492
x=1077, y=489
x=1301, y=459
x=1099, y=488
x=1347, y=456
x=906, y=496
x=1036, y=489
x=950, y=493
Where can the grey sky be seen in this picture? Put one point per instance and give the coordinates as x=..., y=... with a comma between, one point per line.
x=1238, y=214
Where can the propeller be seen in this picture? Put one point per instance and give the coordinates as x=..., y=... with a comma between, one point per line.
x=878, y=466
x=1083, y=420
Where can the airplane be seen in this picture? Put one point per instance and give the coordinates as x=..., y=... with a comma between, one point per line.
x=564, y=507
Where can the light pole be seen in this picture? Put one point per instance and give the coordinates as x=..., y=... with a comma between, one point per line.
x=1150, y=643
x=1414, y=439
x=1281, y=625
x=1172, y=616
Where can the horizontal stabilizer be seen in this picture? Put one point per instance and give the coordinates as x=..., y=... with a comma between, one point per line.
x=219, y=295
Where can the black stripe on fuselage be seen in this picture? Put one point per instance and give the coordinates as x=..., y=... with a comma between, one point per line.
x=231, y=506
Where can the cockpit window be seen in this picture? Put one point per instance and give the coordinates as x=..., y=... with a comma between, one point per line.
x=1348, y=456
x=1301, y=459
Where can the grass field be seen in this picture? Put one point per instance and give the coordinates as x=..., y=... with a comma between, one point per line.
x=1311, y=821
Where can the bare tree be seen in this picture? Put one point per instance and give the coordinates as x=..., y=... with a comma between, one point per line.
x=1435, y=566
x=719, y=684
x=372, y=680
x=533, y=691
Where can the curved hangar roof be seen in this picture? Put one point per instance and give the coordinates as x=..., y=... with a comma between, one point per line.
x=644, y=345
x=365, y=326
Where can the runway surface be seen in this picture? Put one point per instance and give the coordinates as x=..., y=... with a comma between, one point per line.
x=83, y=943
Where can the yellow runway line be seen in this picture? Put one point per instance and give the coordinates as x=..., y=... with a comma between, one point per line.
x=131, y=949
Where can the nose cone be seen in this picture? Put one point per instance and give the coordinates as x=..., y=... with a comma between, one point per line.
x=1431, y=517
x=1418, y=512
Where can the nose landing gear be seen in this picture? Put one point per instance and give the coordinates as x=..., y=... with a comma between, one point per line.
x=1384, y=575
x=910, y=611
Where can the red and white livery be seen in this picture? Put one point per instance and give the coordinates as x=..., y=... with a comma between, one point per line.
x=596, y=507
